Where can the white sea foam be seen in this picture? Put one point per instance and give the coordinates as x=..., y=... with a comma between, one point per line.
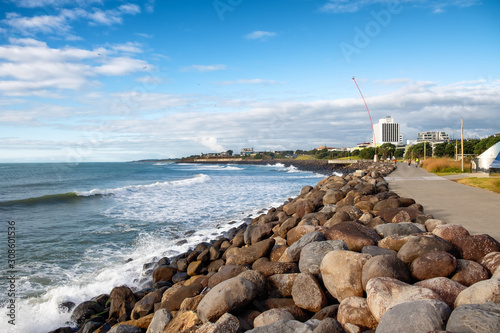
x=201, y=178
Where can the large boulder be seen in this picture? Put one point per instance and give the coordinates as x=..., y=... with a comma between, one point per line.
x=164, y=273
x=491, y=261
x=433, y=264
x=225, y=272
x=85, y=310
x=447, y=289
x=160, y=321
x=383, y=293
x=475, y=318
x=313, y=253
x=307, y=293
x=354, y=234
x=295, y=249
x=385, y=266
x=270, y=316
x=174, y=300
x=419, y=245
x=450, y=231
x=469, y=272
x=404, y=228
x=480, y=292
x=354, y=310
x=146, y=304
x=247, y=255
x=280, y=285
x=341, y=271
x=475, y=247
x=183, y=322
x=415, y=317
x=268, y=268
x=122, y=301
x=227, y=296
x=227, y=323
x=255, y=233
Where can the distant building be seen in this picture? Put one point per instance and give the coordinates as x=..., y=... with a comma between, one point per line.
x=247, y=151
x=432, y=136
x=328, y=148
x=387, y=131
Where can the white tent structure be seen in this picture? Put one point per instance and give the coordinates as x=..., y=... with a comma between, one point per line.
x=489, y=161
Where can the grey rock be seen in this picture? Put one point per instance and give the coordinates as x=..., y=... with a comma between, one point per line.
x=377, y=251
x=295, y=249
x=313, y=253
x=160, y=320
x=475, y=318
x=415, y=317
x=125, y=329
x=404, y=228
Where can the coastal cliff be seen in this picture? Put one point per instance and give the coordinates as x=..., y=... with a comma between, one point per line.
x=347, y=255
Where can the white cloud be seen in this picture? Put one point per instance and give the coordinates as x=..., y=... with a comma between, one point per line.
x=52, y=3
x=210, y=142
x=31, y=67
x=203, y=68
x=129, y=47
x=60, y=23
x=351, y=6
x=262, y=35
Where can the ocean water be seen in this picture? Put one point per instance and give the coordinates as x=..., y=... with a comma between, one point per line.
x=82, y=229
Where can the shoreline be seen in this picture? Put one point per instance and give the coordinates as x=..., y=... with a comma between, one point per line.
x=275, y=269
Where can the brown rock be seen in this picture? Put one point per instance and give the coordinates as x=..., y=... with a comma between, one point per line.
x=475, y=247
x=385, y=266
x=354, y=310
x=230, y=295
x=307, y=293
x=122, y=301
x=450, y=231
x=190, y=303
x=337, y=218
x=304, y=207
x=402, y=216
x=269, y=268
x=388, y=213
x=164, y=273
x=280, y=285
x=469, y=272
x=182, y=322
x=447, y=289
x=364, y=206
x=433, y=264
x=296, y=233
x=341, y=272
x=146, y=304
x=385, y=204
x=287, y=304
x=491, y=261
x=394, y=242
x=329, y=325
x=431, y=224
x=174, y=301
x=287, y=226
x=277, y=252
x=332, y=196
x=354, y=234
x=247, y=255
x=255, y=233
x=246, y=319
x=353, y=211
x=406, y=202
x=225, y=273
x=195, y=267
x=227, y=323
x=142, y=323
x=214, y=266
x=418, y=245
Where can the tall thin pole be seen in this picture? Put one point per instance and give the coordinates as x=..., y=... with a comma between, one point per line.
x=462, y=129
x=456, y=150
x=373, y=130
x=425, y=147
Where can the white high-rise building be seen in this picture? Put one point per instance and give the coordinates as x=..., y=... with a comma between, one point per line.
x=387, y=131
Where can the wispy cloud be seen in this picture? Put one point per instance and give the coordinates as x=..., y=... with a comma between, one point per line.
x=261, y=35
x=60, y=23
x=203, y=68
x=351, y=6
x=31, y=67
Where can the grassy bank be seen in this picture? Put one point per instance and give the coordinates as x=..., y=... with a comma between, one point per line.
x=491, y=184
x=445, y=166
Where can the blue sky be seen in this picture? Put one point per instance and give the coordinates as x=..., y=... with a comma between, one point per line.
x=102, y=80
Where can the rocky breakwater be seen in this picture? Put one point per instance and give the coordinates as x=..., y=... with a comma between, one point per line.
x=347, y=255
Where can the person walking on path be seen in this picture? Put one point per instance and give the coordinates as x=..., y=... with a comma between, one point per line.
x=416, y=162
x=409, y=162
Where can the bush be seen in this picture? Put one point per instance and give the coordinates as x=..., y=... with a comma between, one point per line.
x=444, y=165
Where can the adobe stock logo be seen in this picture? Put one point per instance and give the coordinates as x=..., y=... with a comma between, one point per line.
x=372, y=29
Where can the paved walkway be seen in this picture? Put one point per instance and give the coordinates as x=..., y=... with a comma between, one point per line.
x=475, y=209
